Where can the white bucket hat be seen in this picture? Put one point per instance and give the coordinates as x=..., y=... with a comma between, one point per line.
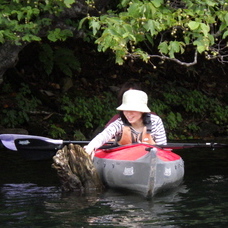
x=134, y=100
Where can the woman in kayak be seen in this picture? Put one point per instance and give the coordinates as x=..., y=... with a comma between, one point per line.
x=135, y=124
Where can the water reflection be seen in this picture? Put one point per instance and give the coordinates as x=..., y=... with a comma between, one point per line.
x=214, y=179
x=205, y=205
x=134, y=211
x=27, y=190
x=21, y=203
x=31, y=204
x=113, y=208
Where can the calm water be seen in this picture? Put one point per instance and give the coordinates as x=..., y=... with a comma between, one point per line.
x=31, y=197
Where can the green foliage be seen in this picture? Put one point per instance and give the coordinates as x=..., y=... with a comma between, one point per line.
x=180, y=103
x=220, y=114
x=46, y=56
x=59, y=34
x=22, y=21
x=6, y=88
x=173, y=120
x=56, y=132
x=88, y=112
x=78, y=135
x=62, y=58
x=134, y=29
x=139, y=29
x=19, y=114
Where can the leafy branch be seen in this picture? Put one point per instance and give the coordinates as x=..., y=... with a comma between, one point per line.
x=163, y=29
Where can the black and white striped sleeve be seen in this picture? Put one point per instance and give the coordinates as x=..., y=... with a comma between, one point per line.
x=158, y=131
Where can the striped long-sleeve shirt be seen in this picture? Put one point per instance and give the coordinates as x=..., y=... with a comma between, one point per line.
x=115, y=128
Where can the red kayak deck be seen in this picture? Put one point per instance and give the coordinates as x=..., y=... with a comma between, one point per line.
x=134, y=152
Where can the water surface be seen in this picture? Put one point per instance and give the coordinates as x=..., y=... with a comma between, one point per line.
x=31, y=197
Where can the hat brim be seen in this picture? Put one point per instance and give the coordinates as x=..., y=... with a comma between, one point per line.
x=128, y=107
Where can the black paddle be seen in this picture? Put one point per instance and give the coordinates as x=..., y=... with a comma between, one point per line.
x=30, y=142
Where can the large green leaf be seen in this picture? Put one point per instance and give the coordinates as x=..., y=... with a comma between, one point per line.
x=163, y=47
x=68, y=3
x=205, y=29
x=225, y=35
x=157, y=3
x=193, y=25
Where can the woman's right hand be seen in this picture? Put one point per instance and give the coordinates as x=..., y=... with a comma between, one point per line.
x=89, y=150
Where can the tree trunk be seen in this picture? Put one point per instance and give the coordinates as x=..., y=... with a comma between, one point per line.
x=8, y=56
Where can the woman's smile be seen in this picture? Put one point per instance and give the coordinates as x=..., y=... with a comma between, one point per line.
x=133, y=116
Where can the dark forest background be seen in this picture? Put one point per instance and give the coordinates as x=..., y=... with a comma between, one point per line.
x=57, y=105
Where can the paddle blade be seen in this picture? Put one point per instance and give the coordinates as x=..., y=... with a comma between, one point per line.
x=8, y=140
x=37, y=144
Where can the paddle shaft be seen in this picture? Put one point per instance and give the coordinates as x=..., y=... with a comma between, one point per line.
x=192, y=145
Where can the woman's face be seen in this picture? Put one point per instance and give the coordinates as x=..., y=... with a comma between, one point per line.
x=133, y=116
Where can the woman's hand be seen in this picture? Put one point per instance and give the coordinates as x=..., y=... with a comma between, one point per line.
x=89, y=150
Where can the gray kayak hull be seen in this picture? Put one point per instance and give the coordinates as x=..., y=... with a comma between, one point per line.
x=146, y=175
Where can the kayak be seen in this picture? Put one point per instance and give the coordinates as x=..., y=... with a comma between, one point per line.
x=141, y=168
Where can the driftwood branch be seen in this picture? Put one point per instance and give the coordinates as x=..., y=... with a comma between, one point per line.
x=76, y=170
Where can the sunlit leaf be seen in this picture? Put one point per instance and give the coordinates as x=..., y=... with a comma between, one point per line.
x=68, y=3
x=193, y=25
x=163, y=47
x=205, y=28
x=95, y=26
x=157, y=3
x=225, y=35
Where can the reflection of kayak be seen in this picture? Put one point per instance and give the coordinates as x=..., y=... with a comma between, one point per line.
x=142, y=168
